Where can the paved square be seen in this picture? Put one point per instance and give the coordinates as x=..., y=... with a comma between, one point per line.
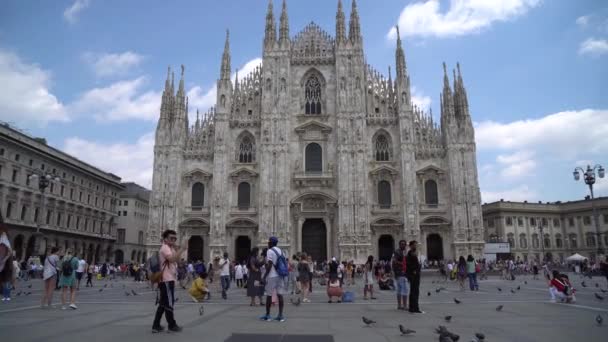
x=110, y=315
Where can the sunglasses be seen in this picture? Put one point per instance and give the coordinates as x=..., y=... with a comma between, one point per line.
x=172, y=238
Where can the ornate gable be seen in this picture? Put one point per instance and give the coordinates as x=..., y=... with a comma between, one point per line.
x=430, y=169
x=384, y=172
x=313, y=130
x=312, y=46
x=197, y=175
x=243, y=174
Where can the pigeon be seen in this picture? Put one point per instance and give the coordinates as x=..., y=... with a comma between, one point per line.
x=28, y=293
x=499, y=308
x=448, y=318
x=201, y=310
x=133, y=292
x=428, y=293
x=443, y=333
x=457, y=301
x=518, y=288
x=367, y=321
x=599, y=297
x=19, y=293
x=106, y=285
x=296, y=302
x=127, y=293
x=583, y=284
x=405, y=331
x=433, y=282
x=499, y=289
x=599, y=319
x=29, y=286
x=437, y=290
x=480, y=336
x=603, y=291
x=100, y=290
x=526, y=282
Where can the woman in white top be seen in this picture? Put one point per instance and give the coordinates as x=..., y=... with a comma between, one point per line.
x=238, y=275
x=49, y=275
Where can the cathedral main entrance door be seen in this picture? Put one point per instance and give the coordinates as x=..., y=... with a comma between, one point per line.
x=314, y=239
x=386, y=247
x=434, y=247
x=242, y=248
x=195, y=248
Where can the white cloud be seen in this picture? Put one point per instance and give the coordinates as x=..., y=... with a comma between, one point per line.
x=112, y=64
x=425, y=19
x=130, y=161
x=421, y=100
x=122, y=100
x=593, y=47
x=583, y=21
x=517, y=165
x=26, y=94
x=518, y=194
x=71, y=13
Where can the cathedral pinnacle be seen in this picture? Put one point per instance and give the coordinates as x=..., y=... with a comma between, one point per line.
x=180, y=91
x=225, y=70
x=167, y=84
x=400, y=57
x=446, y=81
x=354, y=33
x=236, y=81
x=340, y=25
x=284, y=28
x=270, y=32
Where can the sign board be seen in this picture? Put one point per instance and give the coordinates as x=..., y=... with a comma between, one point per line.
x=497, y=248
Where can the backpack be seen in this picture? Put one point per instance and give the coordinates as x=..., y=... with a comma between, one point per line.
x=66, y=268
x=156, y=273
x=200, y=268
x=281, y=265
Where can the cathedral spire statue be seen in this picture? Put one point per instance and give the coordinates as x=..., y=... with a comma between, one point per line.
x=354, y=33
x=236, y=81
x=167, y=82
x=270, y=33
x=284, y=26
x=340, y=25
x=400, y=57
x=180, y=91
x=225, y=70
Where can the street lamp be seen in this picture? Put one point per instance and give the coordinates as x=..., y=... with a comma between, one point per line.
x=541, y=228
x=589, y=177
x=44, y=181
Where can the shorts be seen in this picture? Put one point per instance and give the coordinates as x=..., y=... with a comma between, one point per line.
x=79, y=275
x=403, y=286
x=275, y=283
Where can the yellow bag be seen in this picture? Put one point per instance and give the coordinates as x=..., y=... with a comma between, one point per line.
x=98, y=276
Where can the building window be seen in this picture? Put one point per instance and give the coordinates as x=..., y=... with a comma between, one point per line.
x=96, y=200
x=430, y=192
x=36, y=213
x=558, y=241
x=520, y=221
x=491, y=222
x=78, y=222
x=571, y=221
x=120, y=236
x=119, y=213
x=125, y=202
x=523, y=242
x=556, y=222
x=383, y=148
x=384, y=194
x=14, y=177
x=314, y=158
x=88, y=199
x=124, y=213
x=17, y=156
x=58, y=223
x=587, y=220
x=86, y=224
x=573, y=242
x=48, y=216
x=605, y=218
x=246, y=149
x=31, y=162
x=606, y=239
x=71, y=194
x=543, y=222
x=535, y=241
x=9, y=209
x=80, y=196
x=198, y=195
x=509, y=221
x=532, y=221
x=61, y=191
x=312, y=95
x=590, y=240
x=511, y=240
x=42, y=166
x=140, y=237
x=547, y=241
x=243, y=196
x=52, y=188
x=1, y=152
x=23, y=213
x=69, y=221
x=27, y=179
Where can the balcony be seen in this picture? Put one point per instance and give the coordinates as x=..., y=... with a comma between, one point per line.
x=378, y=209
x=196, y=212
x=313, y=179
x=432, y=208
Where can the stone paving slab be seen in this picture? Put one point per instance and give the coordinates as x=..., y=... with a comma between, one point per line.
x=110, y=315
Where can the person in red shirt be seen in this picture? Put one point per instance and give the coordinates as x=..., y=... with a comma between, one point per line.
x=560, y=287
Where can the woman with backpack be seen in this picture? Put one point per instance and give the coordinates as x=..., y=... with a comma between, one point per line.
x=461, y=271
x=49, y=274
x=472, y=273
x=67, y=279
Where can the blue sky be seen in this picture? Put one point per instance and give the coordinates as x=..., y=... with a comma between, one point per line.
x=87, y=74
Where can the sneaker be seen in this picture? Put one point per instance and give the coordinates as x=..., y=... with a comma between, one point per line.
x=266, y=318
x=63, y=307
x=158, y=329
x=176, y=328
x=73, y=306
x=8, y=299
x=280, y=319
x=3, y=299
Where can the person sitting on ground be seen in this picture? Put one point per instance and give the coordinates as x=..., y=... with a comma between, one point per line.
x=334, y=290
x=560, y=287
x=198, y=291
x=386, y=282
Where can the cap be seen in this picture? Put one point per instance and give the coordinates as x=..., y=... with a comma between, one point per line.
x=333, y=259
x=273, y=239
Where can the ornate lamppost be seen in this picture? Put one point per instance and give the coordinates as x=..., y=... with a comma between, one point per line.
x=541, y=228
x=589, y=177
x=44, y=181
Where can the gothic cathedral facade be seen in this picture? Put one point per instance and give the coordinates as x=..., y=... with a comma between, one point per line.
x=318, y=148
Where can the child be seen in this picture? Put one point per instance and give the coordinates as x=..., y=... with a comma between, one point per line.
x=198, y=291
x=560, y=287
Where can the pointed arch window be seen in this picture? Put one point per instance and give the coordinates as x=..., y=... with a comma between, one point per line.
x=382, y=147
x=244, y=195
x=198, y=195
x=430, y=193
x=314, y=158
x=246, y=153
x=312, y=95
x=384, y=194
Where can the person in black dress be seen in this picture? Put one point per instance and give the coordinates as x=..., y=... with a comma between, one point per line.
x=412, y=273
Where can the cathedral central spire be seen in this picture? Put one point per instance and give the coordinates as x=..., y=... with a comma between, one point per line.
x=354, y=33
x=400, y=57
x=284, y=26
x=270, y=33
x=340, y=25
x=225, y=70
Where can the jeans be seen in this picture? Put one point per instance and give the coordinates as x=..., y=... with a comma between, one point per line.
x=225, y=280
x=473, y=281
x=6, y=289
x=165, y=305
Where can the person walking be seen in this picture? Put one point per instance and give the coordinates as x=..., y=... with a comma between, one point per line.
x=412, y=271
x=49, y=274
x=254, y=288
x=90, y=270
x=82, y=266
x=273, y=281
x=238, y=275
x=168, y=256
x=304, y=276
x=472, y=273
x=67, y=279
x=225, y=275
x=461, y=271
x=369, y=278
x=399, y=269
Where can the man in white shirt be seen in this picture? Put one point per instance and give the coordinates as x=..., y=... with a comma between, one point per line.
x=80, y=271
x=225, y=274
x=272, y=280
